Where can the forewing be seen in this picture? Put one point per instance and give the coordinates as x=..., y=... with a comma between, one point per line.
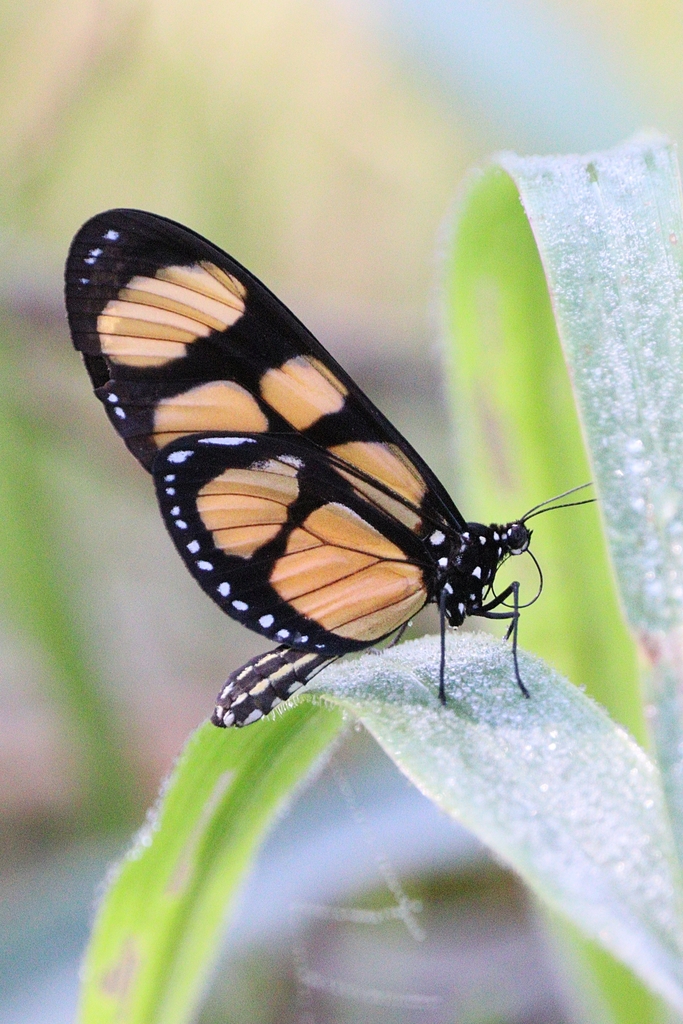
x=180, y=339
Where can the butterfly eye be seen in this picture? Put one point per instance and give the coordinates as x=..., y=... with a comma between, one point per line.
x=518, y=538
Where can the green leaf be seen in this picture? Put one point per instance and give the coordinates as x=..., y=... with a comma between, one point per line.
x=599, y=261
x=555, y=788
x=159, y=926
x=519, y=441
x=609, y=230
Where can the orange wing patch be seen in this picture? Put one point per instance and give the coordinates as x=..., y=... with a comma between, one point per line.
x=388, y=464
x=343, y=574
x=341, y=527
x=303, y=390
x=219, y=406
x=153, y=319
x=374, y=603
x=245, y=508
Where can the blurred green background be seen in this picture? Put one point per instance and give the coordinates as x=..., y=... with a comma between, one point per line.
x=322, y=143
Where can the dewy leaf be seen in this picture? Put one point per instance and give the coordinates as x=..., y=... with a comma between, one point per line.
x=599, y=262
x=160, y=923
x=551, y=785
x=519, y=440
x=609, y=231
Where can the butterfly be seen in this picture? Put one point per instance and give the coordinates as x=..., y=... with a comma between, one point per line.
x=294, y=503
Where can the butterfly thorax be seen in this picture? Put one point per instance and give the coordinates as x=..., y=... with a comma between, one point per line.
x=475, y=557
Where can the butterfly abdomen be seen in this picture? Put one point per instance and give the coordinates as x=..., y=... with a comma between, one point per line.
x=264, y=682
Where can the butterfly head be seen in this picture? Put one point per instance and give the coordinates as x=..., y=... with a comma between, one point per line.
x=515, y=538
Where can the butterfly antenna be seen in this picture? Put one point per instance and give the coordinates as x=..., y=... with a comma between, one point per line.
x=540, y=581
x=549, y=506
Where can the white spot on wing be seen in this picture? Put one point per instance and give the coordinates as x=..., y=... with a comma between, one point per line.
x=111, y=235
x=170, y=491
x=193, y=547
x=229, y=441
x=224, y=589
x=179, y=456
x=112, y=398
x=120, y=413
x=175, y=511
x=204, y=566
x=181, y=524
x=170, y=478
x=477, y=572
x=266, y=621
x=437, y=538
x=282, y=634
x=443, y=562
x=240, y=606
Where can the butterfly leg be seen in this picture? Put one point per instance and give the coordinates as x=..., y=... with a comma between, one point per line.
x=443, y=597
x=397, y=637
x=487, y=613
x=399, y=634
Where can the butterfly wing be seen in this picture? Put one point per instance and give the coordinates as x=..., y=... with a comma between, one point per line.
x=179, y=339
x=290, y=542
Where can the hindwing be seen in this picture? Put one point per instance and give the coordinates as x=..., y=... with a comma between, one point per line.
x=291, y=542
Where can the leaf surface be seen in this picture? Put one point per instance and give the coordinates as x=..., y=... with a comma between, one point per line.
x=160, y=924
x=555, y=788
